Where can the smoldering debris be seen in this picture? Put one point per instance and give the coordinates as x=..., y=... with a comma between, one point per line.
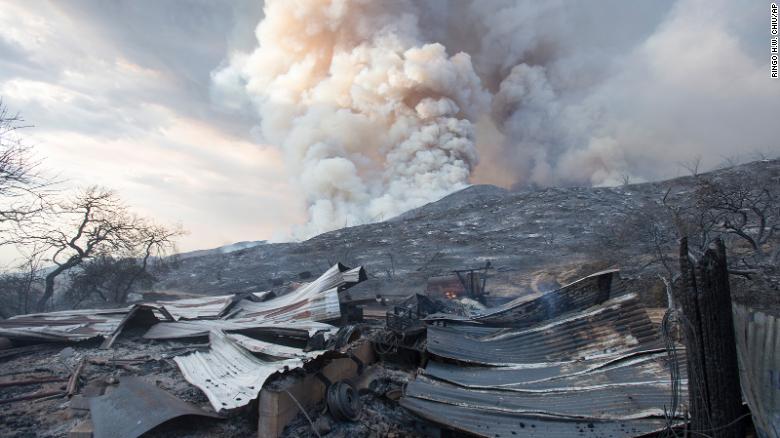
x=584, y=357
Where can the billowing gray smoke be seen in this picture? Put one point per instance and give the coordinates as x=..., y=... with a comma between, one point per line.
x=381, y=106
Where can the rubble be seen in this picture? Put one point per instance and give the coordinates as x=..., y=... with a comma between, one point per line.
x=251, y=337
x=584, y=358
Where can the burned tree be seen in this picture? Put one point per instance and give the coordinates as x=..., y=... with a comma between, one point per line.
x=113, y=277
x=746, y=208
x=22, y=187
x=96, y=223
x=19, y=289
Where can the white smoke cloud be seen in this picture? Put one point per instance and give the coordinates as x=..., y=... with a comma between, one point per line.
x=589, y=100
x=373, y=119
x=376, y=103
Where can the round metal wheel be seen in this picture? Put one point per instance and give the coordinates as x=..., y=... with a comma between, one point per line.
x=343, y=401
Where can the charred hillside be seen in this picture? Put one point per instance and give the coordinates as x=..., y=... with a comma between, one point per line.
x=534, y=239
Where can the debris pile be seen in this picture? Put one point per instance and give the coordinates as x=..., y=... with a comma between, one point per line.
x=581, y=359
x=250, y=338
x=572, y=361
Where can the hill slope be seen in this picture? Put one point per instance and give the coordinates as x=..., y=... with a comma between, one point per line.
x=524, y=234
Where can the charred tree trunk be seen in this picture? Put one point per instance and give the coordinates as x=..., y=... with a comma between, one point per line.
x=713, y=373
x=40, y=306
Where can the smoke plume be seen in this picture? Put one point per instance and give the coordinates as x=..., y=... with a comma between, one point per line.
x=376, y=104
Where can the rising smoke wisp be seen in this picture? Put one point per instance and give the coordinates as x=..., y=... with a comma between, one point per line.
x=376, y=103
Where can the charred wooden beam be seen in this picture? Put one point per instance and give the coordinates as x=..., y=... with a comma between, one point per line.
x=713, y=380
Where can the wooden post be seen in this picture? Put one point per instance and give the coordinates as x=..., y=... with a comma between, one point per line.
x=713, y=373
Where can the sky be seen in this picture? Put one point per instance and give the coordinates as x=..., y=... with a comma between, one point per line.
x=241, y=126
x=118, y=93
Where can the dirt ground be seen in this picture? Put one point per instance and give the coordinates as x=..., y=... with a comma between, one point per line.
x=52, y=417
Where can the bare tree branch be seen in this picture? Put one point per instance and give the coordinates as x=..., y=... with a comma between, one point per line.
x=23, y=187
x=95, y=223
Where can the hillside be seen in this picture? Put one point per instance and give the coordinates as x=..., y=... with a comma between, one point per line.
x=531, y=237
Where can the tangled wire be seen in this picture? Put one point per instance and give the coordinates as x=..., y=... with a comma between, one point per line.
x=674, y=326
x=386, y=342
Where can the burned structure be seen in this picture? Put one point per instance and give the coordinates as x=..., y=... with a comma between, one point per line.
x=583, y=359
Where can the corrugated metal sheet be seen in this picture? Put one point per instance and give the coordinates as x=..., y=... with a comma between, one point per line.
x=70, y=325
x=572, y=362
x=625, y=370
x=229, y=375
x=198, y=328
x=296, y=311
x=135, y=407
x=606, y=402
x=315, y=301
x=534, y=308
x=196, y=308
x=496, y=423
x=270, y=349
x=758, y=350
x=619, y=325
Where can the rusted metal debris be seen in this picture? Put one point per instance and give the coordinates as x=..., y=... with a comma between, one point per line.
x=136, y=407
x=758, y=351
x=576, y=360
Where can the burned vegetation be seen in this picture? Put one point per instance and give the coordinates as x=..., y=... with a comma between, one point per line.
x=641, y=310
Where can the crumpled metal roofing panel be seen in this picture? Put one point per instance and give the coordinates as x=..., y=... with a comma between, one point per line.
x=275, y=350
x=70, y=325
x=135, y=407
x=606, y=402
x=312, y=302
x=619, y=325
x=229, y=375
x=315, y=301
x=196, y=308
x=554, y=365
x=312, y=306
x=758, y=351
x=198, y=328
x=534, y=308
x=626, y=370
x=497, y=423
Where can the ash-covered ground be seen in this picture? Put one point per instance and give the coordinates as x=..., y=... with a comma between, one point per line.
x=53, y=418
x=534, y=239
